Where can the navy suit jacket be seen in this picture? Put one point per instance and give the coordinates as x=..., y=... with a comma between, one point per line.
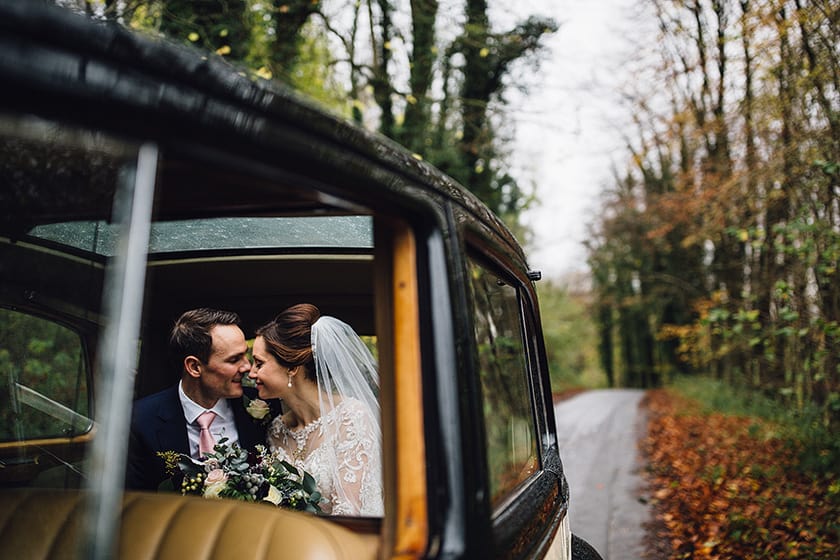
x=157, y=424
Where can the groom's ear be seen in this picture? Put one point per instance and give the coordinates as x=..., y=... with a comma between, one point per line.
x=192, y=366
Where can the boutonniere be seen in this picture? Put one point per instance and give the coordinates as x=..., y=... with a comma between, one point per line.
x=257, y=409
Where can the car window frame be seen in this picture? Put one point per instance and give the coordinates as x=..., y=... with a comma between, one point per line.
x=526, y=360
x=513, y=525
x=405, y=525
x=542, y=490
x=118, y=351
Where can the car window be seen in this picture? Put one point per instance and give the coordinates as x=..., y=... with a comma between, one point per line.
x=44, y=393
x=51, y=294
x=221, y=233
x=255, y=257
x=508, y=417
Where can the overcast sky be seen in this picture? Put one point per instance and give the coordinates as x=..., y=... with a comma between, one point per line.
x=567, y=127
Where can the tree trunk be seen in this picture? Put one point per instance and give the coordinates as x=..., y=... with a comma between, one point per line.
x=416, y=127
x=475, y=96
x=383, y=90
x=605, y=346
x=289, y=18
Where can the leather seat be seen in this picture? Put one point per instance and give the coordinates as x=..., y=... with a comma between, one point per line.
x=47, y=524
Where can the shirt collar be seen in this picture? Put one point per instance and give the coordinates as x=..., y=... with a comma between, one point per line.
x=193, y=410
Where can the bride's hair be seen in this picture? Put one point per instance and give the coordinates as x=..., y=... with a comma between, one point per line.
x=289, y=337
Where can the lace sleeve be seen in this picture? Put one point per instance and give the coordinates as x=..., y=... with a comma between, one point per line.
x=359, y=464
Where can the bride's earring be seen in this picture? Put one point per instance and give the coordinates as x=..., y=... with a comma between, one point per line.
x=289, y=373
x=290, y=381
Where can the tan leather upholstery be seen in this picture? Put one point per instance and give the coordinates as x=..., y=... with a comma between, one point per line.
x=46, y=524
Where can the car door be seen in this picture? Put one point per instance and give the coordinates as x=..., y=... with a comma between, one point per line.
x=526, y=495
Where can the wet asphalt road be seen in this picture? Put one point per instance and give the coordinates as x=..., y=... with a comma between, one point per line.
x=598, y=433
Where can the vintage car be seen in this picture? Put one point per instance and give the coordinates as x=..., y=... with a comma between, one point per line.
x=140, y=179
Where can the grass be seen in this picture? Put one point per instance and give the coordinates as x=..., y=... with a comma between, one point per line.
x=818, y=443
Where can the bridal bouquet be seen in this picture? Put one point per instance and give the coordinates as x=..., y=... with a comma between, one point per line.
x=232, y=472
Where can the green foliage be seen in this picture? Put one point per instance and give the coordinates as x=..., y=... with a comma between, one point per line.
x=444, y=101
x=220, y=26
x=804, y=427
x=715, y=395
x=48, y=359
x=721, y=236
x=235, y=473
x=570, y=339
x=488, y=58
x=314, y=73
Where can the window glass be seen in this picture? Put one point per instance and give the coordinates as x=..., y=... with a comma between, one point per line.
x=302, y=248
x=220, y=233
x=49, y=171
x=508, y=417
x=51, y=293
x=44, y=391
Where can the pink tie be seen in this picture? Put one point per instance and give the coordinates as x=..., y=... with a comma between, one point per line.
x=205, y=438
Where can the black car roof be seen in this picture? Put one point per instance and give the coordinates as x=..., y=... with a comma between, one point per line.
x=140, y=83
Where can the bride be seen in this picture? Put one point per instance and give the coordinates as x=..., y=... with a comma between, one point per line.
x=329, y=385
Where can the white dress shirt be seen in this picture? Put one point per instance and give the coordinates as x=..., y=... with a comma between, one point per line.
x=223, y=425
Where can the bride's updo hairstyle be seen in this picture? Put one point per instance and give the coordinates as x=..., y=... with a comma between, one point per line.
x=289, y=337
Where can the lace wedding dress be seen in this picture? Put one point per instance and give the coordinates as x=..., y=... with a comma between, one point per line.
x=341, y=449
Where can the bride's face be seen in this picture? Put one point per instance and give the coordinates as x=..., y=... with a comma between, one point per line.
x=271, y=378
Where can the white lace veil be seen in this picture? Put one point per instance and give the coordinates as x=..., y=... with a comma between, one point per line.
x=346, y=370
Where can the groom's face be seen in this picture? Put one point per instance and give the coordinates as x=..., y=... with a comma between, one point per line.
x=228, y=363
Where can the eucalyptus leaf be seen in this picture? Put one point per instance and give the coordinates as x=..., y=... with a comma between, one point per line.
x=309, y=484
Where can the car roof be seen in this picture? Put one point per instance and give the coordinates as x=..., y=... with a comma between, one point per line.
x=123, y=81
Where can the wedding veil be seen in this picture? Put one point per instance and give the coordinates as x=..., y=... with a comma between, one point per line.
x=343, y=365
x=346, y=369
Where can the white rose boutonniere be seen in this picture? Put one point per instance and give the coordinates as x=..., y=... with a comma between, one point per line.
x=258, y=409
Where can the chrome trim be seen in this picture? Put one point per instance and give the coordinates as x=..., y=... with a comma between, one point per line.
x=123, y=301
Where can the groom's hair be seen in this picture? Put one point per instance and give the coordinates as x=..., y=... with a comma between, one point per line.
x=191, y=336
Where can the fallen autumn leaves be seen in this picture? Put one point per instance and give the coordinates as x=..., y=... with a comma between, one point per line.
x=727, y=487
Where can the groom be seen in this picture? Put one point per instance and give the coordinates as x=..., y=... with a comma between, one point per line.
x=212, y=354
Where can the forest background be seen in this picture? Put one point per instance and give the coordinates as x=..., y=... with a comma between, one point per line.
x=716, y=244
x=714, y=250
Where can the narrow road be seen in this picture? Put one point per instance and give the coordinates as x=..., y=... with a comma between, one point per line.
x=598, y=433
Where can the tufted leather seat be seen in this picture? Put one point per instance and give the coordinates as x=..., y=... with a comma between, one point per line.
x=47, y=524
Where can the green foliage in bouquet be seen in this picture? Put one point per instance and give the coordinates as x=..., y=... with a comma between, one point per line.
x=231, y=472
